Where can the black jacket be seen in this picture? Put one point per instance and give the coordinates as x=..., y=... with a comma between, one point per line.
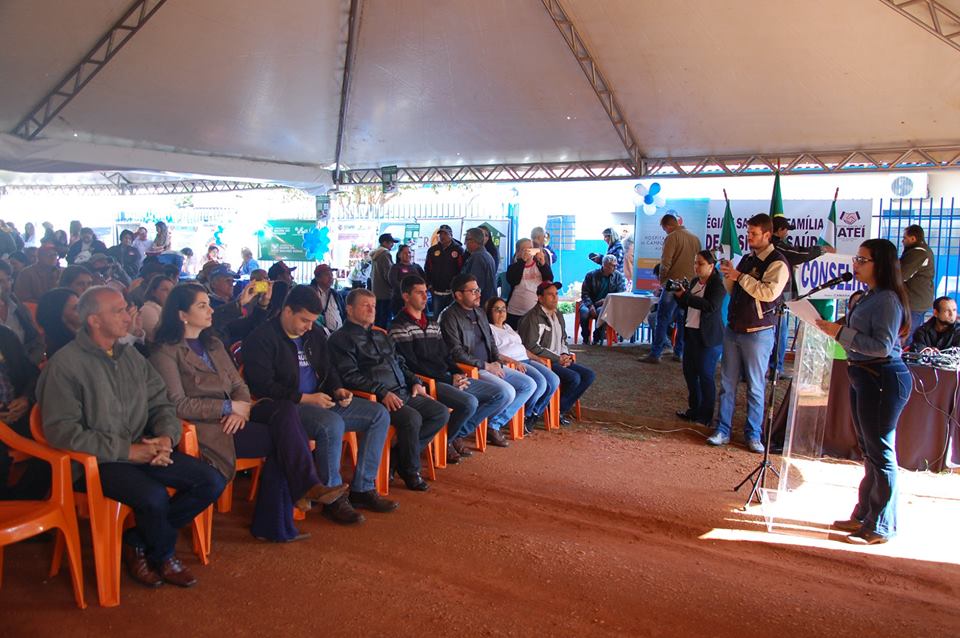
x=22, y=372
x=590, y=291
x=460, y=336
x=367, y=360
x=927, y=336
x=442, y=265
x=710, y=305
x=271, y=367
x=424, y=351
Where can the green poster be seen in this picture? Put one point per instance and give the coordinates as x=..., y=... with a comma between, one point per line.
x=283, y=239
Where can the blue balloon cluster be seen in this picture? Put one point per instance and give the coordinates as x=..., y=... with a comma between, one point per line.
x=316, y=243
x=651, y=193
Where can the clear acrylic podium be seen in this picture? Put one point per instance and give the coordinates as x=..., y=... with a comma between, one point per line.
x=805, y=485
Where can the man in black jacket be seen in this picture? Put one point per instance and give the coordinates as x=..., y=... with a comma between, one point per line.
x=467, y=334
x=443, y=263
x=367, y=360
x=288, y=358
x=941, y=331
x=596, y=286
x=418, y=340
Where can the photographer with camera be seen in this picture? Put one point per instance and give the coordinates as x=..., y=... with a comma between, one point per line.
x=676, y=262
x=703, y=337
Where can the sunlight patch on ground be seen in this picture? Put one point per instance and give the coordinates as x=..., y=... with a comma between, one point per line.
x=929, y=513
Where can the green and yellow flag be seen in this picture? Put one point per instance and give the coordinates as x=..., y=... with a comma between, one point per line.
x=776, y=200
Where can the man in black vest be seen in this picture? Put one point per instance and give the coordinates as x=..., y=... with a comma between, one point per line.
x=756, y=287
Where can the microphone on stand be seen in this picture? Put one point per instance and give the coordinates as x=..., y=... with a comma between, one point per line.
x=830, y=283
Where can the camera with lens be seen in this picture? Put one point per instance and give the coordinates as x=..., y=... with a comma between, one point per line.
x=673, y=285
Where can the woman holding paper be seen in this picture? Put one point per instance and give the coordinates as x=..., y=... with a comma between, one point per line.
x=880, y=385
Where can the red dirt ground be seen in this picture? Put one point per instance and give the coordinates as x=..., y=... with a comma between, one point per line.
x=580, y=533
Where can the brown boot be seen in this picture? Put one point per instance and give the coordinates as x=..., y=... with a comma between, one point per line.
x=176, y=573
x=137, y=566
x=320, y=493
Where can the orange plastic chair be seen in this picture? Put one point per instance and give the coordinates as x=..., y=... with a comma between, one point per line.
x=440, y=449
x=610, y=332
x=23, y=519
x=517, y=420
x=383, y=472
x=481, y=431
x=107, y=518
x=551, y=417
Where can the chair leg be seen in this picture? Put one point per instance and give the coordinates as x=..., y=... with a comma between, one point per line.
x=71, y=536
x=383, y=472
x=516, y=424
x=255, y=482
x=611, y=336
x=481, y=435
x=352, y=446
x=576, y=410
x=58, y=546
x=440, y=448
x=225, y=501
x=198, y=530
x=431, y=467
x=107, y=531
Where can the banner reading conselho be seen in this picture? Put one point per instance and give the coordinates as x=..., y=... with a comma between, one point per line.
x=649, y=236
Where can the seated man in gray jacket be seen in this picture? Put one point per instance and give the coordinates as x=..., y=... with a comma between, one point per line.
x=544, y=334
x=101, y=397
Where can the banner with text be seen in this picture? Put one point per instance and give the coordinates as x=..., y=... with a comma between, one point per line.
x=811, y=274
x=649, y=236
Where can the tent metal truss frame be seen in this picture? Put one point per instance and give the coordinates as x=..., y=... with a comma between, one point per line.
x=932, y=16
x=353, y=33
x=801, y=163
x=121, y=186
x=92, y=63
x=596, y=78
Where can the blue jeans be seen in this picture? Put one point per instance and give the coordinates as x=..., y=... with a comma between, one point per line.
x=781, y=344
x=518, y=387
x=668, y=312
x=747, y=354
x=144, y=488
x=916, y=320
x=326, y=426
x=878, y=395
x=574, y=381
x=547, y=383
x=480, y=400
x=700, y=373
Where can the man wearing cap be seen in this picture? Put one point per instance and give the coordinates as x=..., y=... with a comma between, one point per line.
x=220, y=282
x=281, y=272
x=795, y=255
x=470, y=341
x=107, y=273
x=382, y=262
x=677, y=259
x=444, y=261
x=480, y=264
x=544, y=333
x=331, y=304
x=614, y=247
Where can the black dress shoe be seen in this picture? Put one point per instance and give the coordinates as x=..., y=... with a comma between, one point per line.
x=342, y=512
x=496, y=439
x=415, y=482
x=138, y=567
x=372, y=501
x=565, y=420
x=685, y=415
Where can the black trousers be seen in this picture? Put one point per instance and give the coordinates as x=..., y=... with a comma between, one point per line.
x=159, y=515
x=417, y=422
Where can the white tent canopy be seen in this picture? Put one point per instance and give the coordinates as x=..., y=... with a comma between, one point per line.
x=253, y=89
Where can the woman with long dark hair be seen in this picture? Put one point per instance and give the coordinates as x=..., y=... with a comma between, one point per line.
x=155, y=295
x=703, y=337
x=57, y=315
x=207, y=390
x=880, y=385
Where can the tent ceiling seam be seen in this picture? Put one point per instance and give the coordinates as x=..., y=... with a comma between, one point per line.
x=353, y=32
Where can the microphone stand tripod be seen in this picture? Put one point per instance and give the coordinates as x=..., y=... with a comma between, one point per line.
x=759, y=474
